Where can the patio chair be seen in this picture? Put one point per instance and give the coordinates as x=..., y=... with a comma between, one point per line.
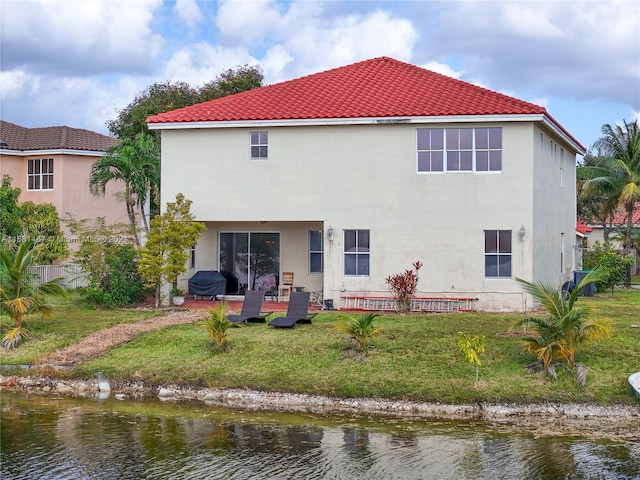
x=297, y=312
x=269, y=286
x=286, y=286
x=251, y=309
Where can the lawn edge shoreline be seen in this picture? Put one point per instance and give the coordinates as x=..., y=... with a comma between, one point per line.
x=320, y=404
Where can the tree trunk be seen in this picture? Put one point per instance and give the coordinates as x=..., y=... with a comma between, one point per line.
x=132, y=221
x=629, y=240
x=157, y=302
x=131, y=213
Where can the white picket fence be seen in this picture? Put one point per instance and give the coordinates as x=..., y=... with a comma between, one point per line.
x=72, y=274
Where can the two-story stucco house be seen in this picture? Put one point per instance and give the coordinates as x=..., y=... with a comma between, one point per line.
x=53, y=165
x=350, y=175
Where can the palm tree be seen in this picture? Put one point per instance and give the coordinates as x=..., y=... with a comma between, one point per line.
x=618, y=173
x=566, y=326
x=20, y=295
x=135, y=162
x=216, y=326
x=361, y=330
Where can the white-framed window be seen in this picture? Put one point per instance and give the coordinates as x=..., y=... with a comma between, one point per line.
x=497, y=253
x=192, y=257
x=259, y=145
x=450, y=150
x=316, y=252
x=356, y=253
x=40, y=174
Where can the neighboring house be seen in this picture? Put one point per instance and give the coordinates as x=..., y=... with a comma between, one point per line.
x=350, y=175
x=53, y=165
x=617, y=230
x=583, y=232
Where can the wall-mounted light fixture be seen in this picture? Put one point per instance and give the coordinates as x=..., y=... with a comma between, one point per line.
x=330, y=233
x=523, y=233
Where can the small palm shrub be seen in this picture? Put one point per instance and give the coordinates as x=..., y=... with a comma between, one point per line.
x=564, y=328
x=361, y=330
x=217, y=326
x=403, y=286
x=20, y=293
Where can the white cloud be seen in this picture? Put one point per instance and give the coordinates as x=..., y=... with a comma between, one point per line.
x=571, y=49
x=189, y=12
x=253, y=22
x=442, y=68
x=275, y=61
x=13, y=83
x=72, y=101
x=79, y=37
x=529, y=20
x=542, y=102
x=291, y=40
x=75, y=61
x=203, y=62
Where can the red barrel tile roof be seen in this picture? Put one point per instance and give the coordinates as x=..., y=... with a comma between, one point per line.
x=582, y=227
x=620, y=218
x=380, y=87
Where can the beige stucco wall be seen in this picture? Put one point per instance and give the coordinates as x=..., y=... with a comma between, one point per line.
x=364, y=177
x=554, y=214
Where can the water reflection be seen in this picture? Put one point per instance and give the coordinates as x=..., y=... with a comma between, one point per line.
x=49, y=438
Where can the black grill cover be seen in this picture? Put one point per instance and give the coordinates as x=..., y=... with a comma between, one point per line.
x=207, y=283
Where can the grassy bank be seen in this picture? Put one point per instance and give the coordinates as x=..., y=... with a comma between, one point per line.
x=416, y=358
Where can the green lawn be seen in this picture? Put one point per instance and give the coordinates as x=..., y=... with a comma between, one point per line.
x=416, y=358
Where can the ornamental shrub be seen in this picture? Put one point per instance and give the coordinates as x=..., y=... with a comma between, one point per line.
x=403, y=286
x=614, y=266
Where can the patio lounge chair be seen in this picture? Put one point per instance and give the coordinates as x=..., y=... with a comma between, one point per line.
x=297, y=311
x=251, y=308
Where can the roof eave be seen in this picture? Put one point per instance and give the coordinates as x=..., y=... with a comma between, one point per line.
x=551, y=123
x=350, y=121
x=54, y=151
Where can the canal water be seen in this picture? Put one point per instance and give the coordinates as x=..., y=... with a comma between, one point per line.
x=66, y=438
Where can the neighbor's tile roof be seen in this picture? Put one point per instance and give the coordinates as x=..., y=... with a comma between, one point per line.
x=620, y=218
x=21, y=138
x=380, y=87
x=582, y=227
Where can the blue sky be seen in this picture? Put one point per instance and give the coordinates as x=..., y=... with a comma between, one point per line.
x=75, y=62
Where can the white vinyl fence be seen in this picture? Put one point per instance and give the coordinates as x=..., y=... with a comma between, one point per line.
x=72, y=274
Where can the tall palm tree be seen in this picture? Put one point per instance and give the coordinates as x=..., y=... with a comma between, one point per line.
x=565, y=327
x=20, y=295
x=135, y=162
x=618, y=173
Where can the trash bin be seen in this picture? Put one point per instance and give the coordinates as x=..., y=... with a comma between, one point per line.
x=589, y=290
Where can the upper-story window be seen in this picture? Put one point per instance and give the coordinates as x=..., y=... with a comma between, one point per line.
x=259, y=145
x=448, y=150
x=40, y=174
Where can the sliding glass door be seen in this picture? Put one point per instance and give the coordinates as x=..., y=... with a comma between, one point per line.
x=253, y=258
